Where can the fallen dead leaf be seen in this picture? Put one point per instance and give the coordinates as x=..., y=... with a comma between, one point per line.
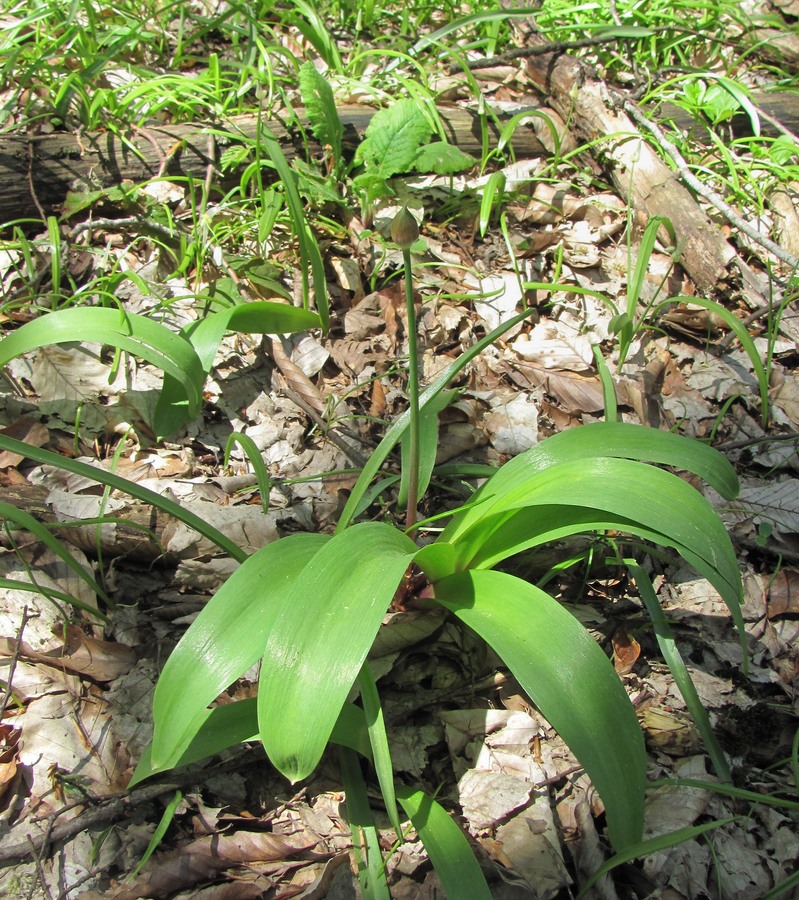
x=27, y=430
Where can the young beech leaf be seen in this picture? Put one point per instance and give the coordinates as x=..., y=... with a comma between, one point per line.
x=393, y=139
x=442, y=159
x=320, y=107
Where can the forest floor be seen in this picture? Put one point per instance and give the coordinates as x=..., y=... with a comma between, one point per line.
x=563, y=238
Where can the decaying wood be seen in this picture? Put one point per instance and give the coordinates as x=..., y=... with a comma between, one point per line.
x=139, y=532
x=595, y=114
x=38, y=171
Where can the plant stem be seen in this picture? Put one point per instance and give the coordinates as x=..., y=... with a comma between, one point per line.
x=413, y=396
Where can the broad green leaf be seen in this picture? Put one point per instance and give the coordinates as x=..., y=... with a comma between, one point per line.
x=226, y=638
x=320, y=107
x=447, y=845
x=320, y=638
x=443, y=159
x=661, y=506
x=393, y=139
x=101, y=476
x=570, y=680
x=232, y=724
x=138, y=335
x=601, y=439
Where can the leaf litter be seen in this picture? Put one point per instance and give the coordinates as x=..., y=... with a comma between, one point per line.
x=77, y=711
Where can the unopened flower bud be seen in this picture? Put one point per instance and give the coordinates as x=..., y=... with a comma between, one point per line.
x=404, y=230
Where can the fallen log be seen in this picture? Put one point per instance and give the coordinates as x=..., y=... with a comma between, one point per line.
x=596, y=114
x=36, y=172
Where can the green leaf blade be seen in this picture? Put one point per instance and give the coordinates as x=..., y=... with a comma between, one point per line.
x=226, y=638
x=568, y=677
x=320, y=638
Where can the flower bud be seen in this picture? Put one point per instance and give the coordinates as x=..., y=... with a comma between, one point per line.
x=404, y=230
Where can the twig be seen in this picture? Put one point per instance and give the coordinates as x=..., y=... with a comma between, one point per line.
x=14, y=661
x=108, y=809
x=703, y=191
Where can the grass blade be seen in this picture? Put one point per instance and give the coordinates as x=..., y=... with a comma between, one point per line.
x=378, y=740
x=653, y=845
x=676, y=665
x=41, y=533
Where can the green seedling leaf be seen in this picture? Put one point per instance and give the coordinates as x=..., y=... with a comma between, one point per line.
x=138, y=335
x=625, y=32
x=378, y=739
x=443, y=159
x=393, y=139
x=366, y=845
x=9, y=584
x=226, y=638
x=678, y=669
x=739, y=330
x=310, y=255
x=10, y=513
x=248, y=445
x=158, y=835
x=95, y=473
x=653, y=845
x=576, y=687
x=398, y=428
x=232, y=724
x=320, y=107
x=492, y=196
x=320, y=637
x=452, y=857
x=205, y=336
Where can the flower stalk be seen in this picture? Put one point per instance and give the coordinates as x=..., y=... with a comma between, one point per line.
x=405, y=232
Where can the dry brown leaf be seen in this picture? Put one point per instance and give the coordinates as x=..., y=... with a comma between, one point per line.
x=377, y=405
x=204, y=857
x=783, y=595
x=100, y=660
x=626, y=651
x=23, y=430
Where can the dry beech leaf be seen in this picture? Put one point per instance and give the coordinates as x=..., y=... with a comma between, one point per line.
x=626, y=651
x=99, y=660
x=783, y=595
x=204, y=857
x=23, y=430
x=670, y=731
